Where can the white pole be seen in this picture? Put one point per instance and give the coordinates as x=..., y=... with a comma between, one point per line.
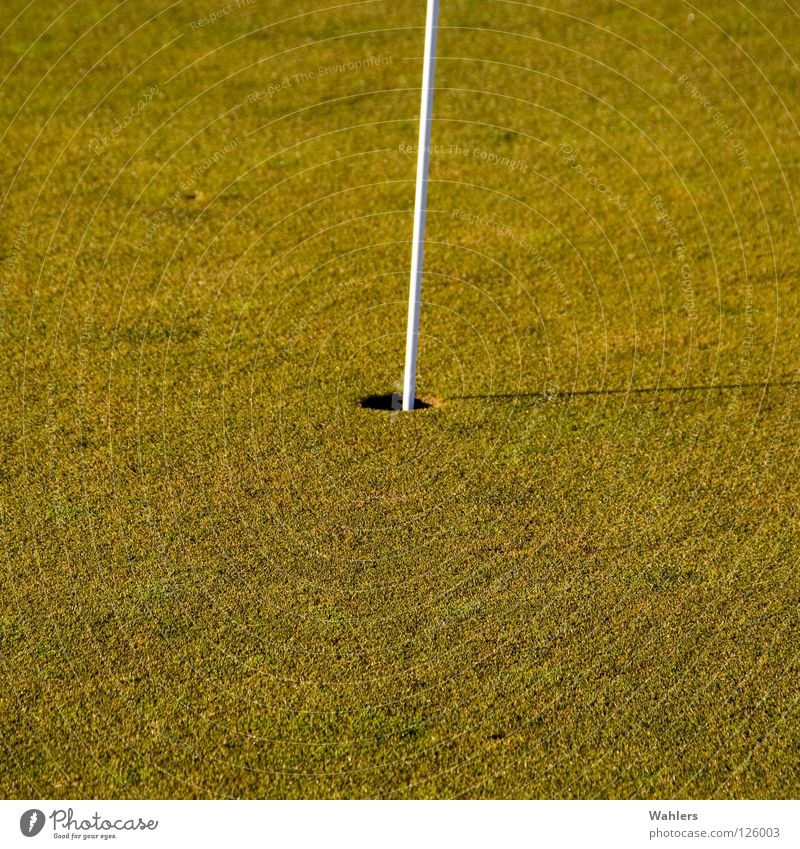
x=418, y=242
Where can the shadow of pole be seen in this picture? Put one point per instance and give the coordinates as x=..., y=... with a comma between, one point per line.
x=641, y=390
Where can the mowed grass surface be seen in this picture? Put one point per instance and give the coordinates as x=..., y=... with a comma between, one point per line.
x=576, y=577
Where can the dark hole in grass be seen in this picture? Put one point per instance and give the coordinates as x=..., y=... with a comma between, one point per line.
x=394, y=401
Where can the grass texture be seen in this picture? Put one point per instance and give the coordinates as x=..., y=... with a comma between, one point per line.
x=575, y=575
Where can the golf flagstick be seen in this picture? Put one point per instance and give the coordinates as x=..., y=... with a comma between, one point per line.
x=418, y=241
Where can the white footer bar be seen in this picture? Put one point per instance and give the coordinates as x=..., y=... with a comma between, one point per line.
x=385, y=825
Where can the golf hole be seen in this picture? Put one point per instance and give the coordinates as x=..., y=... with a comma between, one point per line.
x=394, y=402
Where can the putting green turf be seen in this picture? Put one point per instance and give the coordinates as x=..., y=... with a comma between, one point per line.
x=575, y=577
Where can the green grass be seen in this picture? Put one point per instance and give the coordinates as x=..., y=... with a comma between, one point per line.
x=576, y=577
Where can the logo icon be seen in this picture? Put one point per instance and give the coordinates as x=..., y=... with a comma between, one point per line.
x=31, y=822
